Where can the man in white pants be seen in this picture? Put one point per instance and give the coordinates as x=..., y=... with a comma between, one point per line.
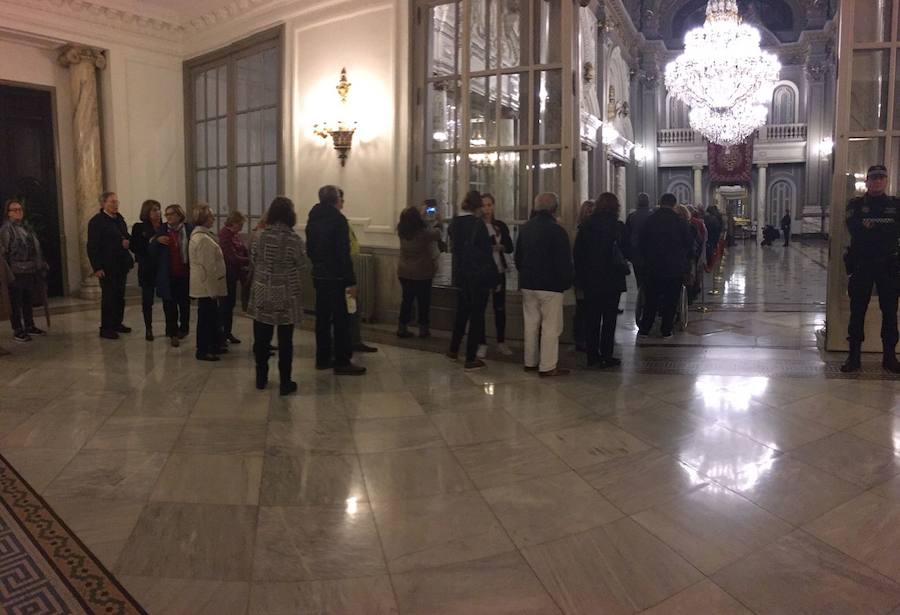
x=544, y=260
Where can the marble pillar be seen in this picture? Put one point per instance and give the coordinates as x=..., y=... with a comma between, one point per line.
x=83, y=63
x=698, y=185
x=761, y=201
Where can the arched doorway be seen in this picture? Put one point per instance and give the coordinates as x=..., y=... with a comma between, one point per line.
x=780, y=200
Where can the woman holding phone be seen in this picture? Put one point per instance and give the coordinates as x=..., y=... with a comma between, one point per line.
x=502, y=245
x=419, y=231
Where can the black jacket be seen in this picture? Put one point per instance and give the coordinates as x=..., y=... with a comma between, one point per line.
x=713, y=228
x=786, y=221
x=504, y=238
x=328, y=245
x=633, y=225
x=595, y=267
x=666, y=244
x=104, y=244
x=142, y=234
x=544, y=255
x=472, y=254
x=882, y=214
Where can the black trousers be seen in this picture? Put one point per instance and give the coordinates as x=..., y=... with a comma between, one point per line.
x=498, y=299
x=262, y=341
x=418, y=291
x=601, y=309
x=227, y=303
x=178, y=308
x=22, y=313
x=580, y=327
x=112, y=301
x=660, y=297
x=787, y=235
x=331, y=316
x=148, y=294
x=470, y=306
x=207, y=326
x=884, y=278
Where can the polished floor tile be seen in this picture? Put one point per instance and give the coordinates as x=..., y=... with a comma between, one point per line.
x=116, y=475
x=150, y=434
x=311, y=479
x=883, y=430
x=704, y=597
x=664, y=426
x=295, y=543
x=800, y=574
x=866, y=528
x=727, y=457
x=187, y=541
x=381, y=405
x=438, y=530
x=461, y=428
x=363, y=596
x=851, y=458
x=395, y=434
x=104, y=528
x=39, y=466
x=244, y=406
x=591, y=444
x=405, y=475
x=774, y=429
x=542, y=509
x=498, y=585
x=712, y=527
x=508, y=461
x=616, y=568
x=329, y=436
x=221, y=437
x=643, y=480
x=162, y=596
x=209, y=479
x=829, y=411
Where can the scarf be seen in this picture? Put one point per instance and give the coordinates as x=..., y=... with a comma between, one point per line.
x=182, y=240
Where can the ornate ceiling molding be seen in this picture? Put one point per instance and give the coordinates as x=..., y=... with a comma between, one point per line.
x=225, y=13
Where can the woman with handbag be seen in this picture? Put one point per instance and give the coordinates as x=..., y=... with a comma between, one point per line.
x=143, y=234
x=600, y=270
x=22, y=252
x=474, y=275
x=207, y=282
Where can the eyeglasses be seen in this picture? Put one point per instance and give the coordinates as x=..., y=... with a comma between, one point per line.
x=15, y=209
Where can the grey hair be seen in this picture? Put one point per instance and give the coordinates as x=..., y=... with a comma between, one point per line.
x=546, y=201
x=329, y=195
x=104, y=196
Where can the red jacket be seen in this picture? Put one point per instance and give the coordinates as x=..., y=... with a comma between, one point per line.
x=237, y=257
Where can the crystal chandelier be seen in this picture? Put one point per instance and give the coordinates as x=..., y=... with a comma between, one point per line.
x=723, y=75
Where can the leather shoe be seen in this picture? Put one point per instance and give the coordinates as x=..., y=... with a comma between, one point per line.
x=324, y=366
x=287, y=388
x=208, y=357
x=554, y=372
x=109, y=334
x=175, y=341
x=232, y=339
x=123, y=329
x=364, y=348
x=350, y=369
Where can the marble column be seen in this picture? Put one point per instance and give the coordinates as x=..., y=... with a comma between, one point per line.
x=698, y=185
x=761, y=201
x=83, y=63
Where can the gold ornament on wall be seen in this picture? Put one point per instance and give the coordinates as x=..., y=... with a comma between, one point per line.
x=341, y=134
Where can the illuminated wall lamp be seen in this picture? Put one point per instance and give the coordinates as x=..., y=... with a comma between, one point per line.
x=341, y=135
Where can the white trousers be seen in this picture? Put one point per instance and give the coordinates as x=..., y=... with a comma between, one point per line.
x=543, y=314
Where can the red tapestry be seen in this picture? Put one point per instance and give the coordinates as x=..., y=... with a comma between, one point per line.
x=732, y=164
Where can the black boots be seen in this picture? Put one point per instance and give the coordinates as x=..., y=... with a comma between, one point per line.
x=424, y=331
x=889, y=360
x=853, y=362
x=262, y=377
x=403, y=331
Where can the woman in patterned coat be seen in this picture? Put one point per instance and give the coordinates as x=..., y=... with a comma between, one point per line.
x=277, y=262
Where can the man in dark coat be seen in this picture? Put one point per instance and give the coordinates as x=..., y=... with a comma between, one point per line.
x=633, y=225
x=786, y=228
x=666, y=248
x=328, y=247
x=544, y=260
x=107, y=248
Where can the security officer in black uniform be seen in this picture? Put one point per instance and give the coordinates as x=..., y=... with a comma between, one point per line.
x=872, y=259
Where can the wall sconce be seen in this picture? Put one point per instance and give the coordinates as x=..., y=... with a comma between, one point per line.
x=826, y=146
x=341, y=135
x=641, y=154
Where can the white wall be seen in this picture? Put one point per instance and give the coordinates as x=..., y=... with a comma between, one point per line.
x=369, y=38
x=35, y=63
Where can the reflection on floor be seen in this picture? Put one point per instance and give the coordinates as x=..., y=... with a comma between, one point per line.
x=423, y=489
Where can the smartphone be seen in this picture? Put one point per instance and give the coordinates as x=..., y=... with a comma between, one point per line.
x=430, y=208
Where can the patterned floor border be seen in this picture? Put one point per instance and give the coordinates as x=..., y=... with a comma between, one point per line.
x=44, y=567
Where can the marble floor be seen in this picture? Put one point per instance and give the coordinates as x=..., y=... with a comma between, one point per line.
x=730, y=486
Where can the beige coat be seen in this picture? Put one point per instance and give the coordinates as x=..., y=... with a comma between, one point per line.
x=207, y=264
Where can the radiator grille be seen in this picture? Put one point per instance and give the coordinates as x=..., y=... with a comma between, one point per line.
x=364, y=267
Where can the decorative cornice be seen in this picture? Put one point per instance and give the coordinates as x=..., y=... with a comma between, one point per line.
x=223, y=14
x=76, y=54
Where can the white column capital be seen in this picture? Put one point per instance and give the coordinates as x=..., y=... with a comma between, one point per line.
x=697, y=167
x=762, y=165
x=71, y=55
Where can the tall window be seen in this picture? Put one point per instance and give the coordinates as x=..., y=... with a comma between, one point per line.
x=781, y=200
x=784, y=105
x=489, y=101
x=234, y=115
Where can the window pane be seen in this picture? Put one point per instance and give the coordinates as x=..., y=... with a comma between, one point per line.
x=256, y=190
x=482, y=31
x=241, y=84
x=212, y=148
x=242, y=202
x=895, y=167
x=270, y=184
x=871, y=20
x=256, y=95
x=223, y=91
x=513, y=20
x=242, y=138
x=869, y=90
x=501, y=175
x=440, y=181
x=547, y=171
x=440, y=115
x=200, y=145
x=211, y=92
x=223, y=191
x=548, y=115
x=897, y=95
x=862, y=153
x=223, y=142
x=270, y=135
x=513, y=127
x=547, y=15
x=270, y=88
x=212, y=190
x=200, y=195
x=199, y=97
x=255, y=124
x=483, y=111
x=442, y=40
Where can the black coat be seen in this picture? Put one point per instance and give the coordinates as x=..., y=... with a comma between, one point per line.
x=472, y=253
x=328, y=245
x=713, y=228
x=160, y=253
x=104, y=244
x=504, y=238
x=544, y=255
x=666, y=244
x=142, y=234
x=595, y=267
